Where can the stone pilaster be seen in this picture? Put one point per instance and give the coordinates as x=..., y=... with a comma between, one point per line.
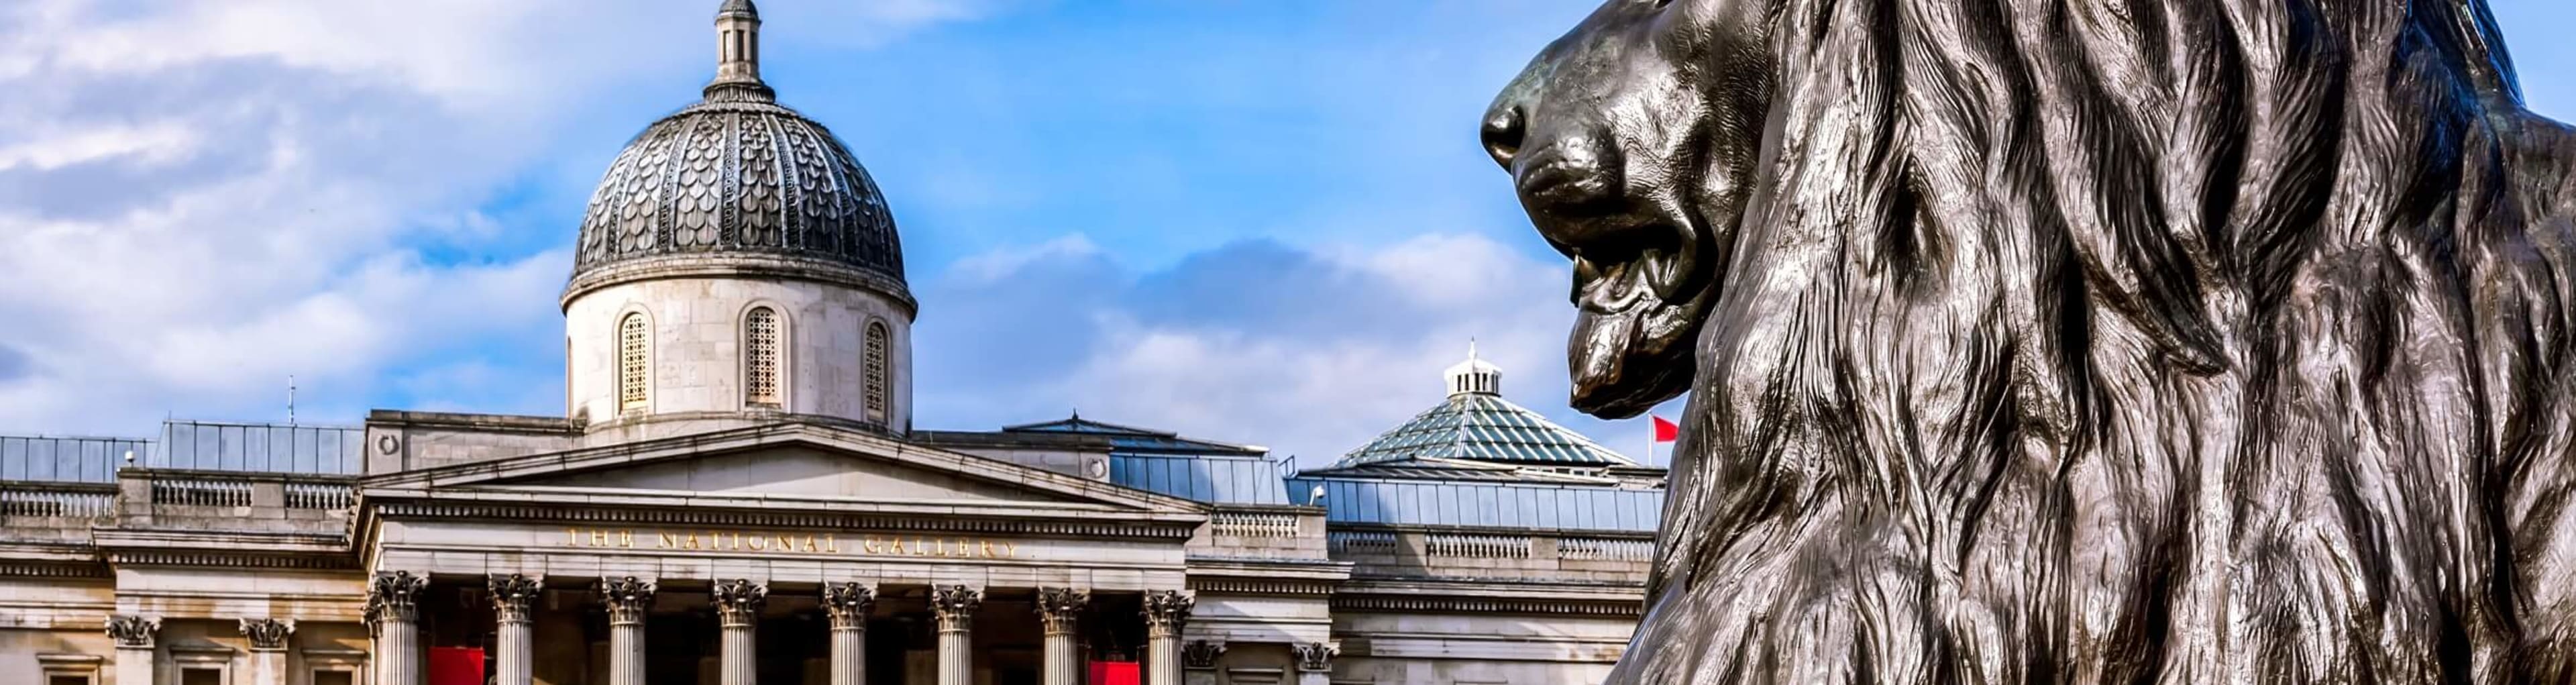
x=1198, y=661
x=1060, y=609
x=738, y=603
x=135, y=653
x=513, y=598
x=1165, y=613
x=628, y=600
x=955, y=605
x=1314, y=663
x=393, y=614
x=267, y=637
x=849, y=604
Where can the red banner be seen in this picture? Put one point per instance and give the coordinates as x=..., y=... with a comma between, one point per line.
x=1114, y=673
x=455, y=666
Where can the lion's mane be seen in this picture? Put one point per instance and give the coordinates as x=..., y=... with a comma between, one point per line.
x=2098, y=341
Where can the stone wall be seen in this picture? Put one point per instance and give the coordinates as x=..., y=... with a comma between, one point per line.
x=697, y=347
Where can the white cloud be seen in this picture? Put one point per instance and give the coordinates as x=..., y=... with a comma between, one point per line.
x=1308, y=351
x=200, y=198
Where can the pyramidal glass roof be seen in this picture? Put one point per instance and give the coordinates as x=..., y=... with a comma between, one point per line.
x=1476, y=426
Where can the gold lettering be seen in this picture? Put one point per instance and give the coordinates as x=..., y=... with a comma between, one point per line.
x=831, y=544
x=1011, y=549
x=809, y=543
x=664, y=540
x=940, y=546
x=984, y=548
x=572, y=538
x=869, y=544
x=757, y=542
x=626, y=538
x=737, y=541
x=786, y=544
x=692, y=541
x=598, y=537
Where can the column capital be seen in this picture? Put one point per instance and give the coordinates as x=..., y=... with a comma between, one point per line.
x=267, y=634
x=738, y=601
x=394, y=595
x=513, y=595
x=1061, y=607
x=133, y=632
x=1166, y=611
x=848, y=603
x=1200, y=655
x=955, y=605
x=1314, y=657
x=628, y=598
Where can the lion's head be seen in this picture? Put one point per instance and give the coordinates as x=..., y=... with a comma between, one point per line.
x=1632, y=141
x=2039, y=327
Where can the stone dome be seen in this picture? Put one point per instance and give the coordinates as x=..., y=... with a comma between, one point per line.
x=738, y=182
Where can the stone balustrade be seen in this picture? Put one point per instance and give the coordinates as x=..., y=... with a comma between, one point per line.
x=1426, y=552
x=1262, y=532
x=234, y=501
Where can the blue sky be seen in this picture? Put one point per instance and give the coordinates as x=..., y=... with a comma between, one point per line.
x=1258, y=221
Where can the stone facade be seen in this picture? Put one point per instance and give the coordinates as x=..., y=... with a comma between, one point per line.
x=696, y=349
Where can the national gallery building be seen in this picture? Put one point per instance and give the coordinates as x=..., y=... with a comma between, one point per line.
x=736, y=494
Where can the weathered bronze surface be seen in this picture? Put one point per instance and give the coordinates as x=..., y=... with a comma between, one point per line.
x=2085, y=341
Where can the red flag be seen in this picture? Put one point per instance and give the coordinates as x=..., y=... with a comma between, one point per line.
x=1665, y=431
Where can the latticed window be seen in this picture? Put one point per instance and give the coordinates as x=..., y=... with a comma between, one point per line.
x=634, y=361
x=760, y=357
x=874, y=366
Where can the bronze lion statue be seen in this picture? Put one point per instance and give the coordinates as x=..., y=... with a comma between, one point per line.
x=2074, y=341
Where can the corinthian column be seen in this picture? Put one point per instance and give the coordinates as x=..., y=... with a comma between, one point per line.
x=512, y=597
x=1164, y=613
x=134, y=653
x=955, y=605
x=628, y=600
x=393, y=614
x=1060, y=608
x=848, y=604
x=738, y=604
x=267, y=648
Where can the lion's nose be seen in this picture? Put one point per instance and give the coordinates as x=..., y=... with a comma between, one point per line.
x=1502, y=134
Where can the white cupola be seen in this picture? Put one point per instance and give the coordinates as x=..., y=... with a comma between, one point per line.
x=1474, y=376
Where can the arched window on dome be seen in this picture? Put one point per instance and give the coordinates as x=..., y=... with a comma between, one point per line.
x=760, y=343
x=634, y=362
x=873, y=365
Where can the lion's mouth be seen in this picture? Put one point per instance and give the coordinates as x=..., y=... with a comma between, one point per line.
x=1630, y=347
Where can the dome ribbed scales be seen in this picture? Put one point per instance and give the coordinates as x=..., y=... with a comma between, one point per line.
x=739, y=175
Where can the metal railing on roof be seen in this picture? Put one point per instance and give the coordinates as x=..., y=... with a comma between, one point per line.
x=212, y=446
x=77, y=460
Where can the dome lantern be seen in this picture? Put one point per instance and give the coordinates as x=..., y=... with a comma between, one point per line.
x=738, y=55
x=1474, y=376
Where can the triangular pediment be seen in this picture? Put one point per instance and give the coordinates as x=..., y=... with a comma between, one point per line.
x=798, y=470
x=781, y=464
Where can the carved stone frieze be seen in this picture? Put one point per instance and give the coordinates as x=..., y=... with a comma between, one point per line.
x=849, y=603
x=627, y=598
x=1060, y=608
x=955, y=605
x=267, y=634
x=133, y=632
x=1166, y=611
x=738, y=601
x=513, y=595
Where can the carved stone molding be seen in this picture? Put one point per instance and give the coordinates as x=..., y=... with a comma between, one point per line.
x=1201, y=654
x=513, y=595
x=394, y=596
x=955, y=605
x=628, y=599
x=817, y=521
x=1314, y=657
x=1166, y=611
x=1060, y=608
x=848, y=603
x=267, y=634
x=738, y=601
x=133, y=632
